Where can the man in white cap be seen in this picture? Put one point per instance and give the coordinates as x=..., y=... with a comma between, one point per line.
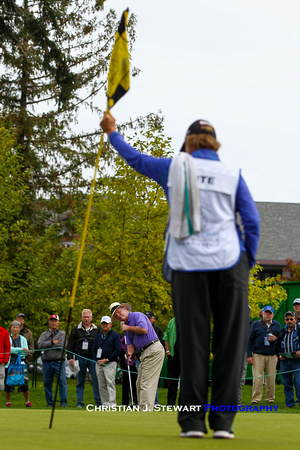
x=106, y=350
x=140, y=335
x=209, y=258
x=296, y=305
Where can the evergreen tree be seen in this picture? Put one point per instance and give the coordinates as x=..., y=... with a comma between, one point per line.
x=54, y=56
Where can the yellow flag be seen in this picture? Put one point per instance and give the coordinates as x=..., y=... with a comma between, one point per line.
x=118, y=75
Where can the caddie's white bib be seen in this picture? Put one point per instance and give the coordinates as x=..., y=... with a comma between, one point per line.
x=217, y=245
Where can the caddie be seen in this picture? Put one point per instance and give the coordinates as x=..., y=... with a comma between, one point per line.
x=209, y=258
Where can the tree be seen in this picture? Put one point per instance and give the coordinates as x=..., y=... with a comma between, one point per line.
x=13, y=193
x=54, y=56
x=123, y=255
x=291, y=272
x=124, y=251
x=264, y=292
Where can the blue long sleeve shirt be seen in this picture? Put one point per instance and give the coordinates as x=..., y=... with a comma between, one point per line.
x=256, y=341
x=110, y=343
x=158, y=170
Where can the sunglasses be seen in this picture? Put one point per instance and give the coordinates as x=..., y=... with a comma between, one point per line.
x=291, y=319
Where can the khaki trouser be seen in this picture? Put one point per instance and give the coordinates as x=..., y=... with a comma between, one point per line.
x=261, y=364
x=148, y=375
x=106, y=375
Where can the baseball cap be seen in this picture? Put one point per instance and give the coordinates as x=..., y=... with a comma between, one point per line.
x=20, y=315
x=149, y=314
x=105, y=319
x=269, y=308
x=54, y=316
x=289, y=313
x=199, y=127
x=297, y=300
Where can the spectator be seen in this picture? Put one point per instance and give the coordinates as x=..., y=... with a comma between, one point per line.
x=296, y=305
x=19, y=346
x=287, y=348
x=157, y=329
x=4, y=354
x=24, y=331
x=81, y=342
x=141, y=335
x=106, y=350
x=173, y=364
x=261, y=355
x=52, y=342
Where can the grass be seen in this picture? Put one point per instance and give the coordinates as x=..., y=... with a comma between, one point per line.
x=29, y=428
x=81, y=429
x=37, y=396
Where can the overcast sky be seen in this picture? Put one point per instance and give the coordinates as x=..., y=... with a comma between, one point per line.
x=234, y=63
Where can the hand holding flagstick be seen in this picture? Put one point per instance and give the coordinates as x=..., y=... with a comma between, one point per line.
x=108, y=123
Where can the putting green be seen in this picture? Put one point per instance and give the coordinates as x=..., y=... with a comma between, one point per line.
x=127, y=430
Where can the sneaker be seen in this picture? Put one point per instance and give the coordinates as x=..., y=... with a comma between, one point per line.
x=63, y=405
x=222, y=434
x=79, y=406
x=28, y=405
x=191, y=434
x=8, y=405
x=49, y=405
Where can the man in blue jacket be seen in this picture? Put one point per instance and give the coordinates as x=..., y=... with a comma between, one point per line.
x=209, y=258
x=106, y=350
x=261, y=354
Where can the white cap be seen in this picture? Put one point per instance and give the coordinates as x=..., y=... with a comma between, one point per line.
x=105, y=319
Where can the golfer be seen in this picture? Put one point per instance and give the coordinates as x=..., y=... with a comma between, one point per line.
x=209, y=257
x=141, y=336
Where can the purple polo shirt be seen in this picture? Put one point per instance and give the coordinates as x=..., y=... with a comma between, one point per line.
x=138, y=319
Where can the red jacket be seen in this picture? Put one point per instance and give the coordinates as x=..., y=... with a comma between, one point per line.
x=4, y=346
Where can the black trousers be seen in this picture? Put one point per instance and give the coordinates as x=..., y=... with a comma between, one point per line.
x=173, y=368
x=195, y=295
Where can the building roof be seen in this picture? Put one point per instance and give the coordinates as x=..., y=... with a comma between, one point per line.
x=279, y=233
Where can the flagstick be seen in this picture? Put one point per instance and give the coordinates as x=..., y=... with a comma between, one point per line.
x=82, y=243
x=123, y=68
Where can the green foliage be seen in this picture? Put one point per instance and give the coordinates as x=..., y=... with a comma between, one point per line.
x=123, y=256
x=264, y=292
x=124, y=253
x=12, y=196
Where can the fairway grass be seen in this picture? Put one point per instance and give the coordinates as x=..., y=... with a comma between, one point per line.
x=29, y=429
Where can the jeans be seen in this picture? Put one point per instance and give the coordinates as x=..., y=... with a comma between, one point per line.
x=290, y=379
x=84, y=364
x=51, y=369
